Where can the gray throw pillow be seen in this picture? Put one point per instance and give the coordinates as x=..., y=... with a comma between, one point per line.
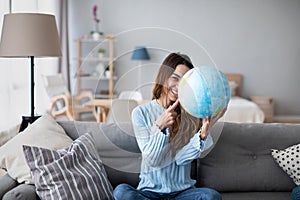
x=72, y=173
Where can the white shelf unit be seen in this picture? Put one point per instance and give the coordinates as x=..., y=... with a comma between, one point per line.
x=85, y=50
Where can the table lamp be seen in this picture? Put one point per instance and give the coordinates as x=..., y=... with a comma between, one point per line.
x=29, y=35
x=140, y=54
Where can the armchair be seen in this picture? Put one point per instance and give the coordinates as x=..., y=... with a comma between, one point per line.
x=63, y=103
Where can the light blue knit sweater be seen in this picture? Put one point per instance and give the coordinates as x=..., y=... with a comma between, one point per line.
x=161, y=173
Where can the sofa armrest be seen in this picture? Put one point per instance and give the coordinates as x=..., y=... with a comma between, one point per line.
x=22, y=192
x=6, y=184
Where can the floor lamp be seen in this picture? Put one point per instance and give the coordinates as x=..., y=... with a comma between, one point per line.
x=140, y=54
x=29, y=35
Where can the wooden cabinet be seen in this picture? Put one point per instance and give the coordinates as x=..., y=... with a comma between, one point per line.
x=266, y=104
x=93, y=58
x=290, y=119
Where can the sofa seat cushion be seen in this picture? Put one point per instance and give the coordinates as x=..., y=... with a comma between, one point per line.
x=256, y=196
x=72, y=173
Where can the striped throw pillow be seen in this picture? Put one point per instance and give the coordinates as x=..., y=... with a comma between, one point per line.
x=72, y=173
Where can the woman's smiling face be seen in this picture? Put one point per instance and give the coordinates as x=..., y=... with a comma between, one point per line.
x=173, y=81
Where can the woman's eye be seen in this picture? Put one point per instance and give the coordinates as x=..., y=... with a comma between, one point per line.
x=174, y=78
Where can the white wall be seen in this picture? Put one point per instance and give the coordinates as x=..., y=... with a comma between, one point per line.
x=259, y=39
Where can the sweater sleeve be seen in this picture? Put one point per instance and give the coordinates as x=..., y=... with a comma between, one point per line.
x=193, y=149
x=152, y=142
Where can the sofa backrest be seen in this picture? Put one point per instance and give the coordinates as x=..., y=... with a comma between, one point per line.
x=116, y=146
x=242, y=161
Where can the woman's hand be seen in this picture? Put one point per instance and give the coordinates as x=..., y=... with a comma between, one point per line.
x=208, y=122
x=168, y=117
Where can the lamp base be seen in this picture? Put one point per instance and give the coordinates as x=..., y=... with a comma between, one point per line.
x=26, y=120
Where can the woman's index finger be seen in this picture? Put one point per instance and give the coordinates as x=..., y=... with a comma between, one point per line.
x=173, y=106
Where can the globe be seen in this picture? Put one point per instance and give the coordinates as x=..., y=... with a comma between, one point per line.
x=204, y=91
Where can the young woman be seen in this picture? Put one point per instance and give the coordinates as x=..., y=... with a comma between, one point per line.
x=169, y=139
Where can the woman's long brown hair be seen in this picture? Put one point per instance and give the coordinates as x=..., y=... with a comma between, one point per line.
x=185, y=125
x=184, y=128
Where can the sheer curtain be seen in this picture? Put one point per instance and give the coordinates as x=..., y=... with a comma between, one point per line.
x=64, y=64
x=15, y=72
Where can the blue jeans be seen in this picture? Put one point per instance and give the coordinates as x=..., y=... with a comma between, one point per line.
x=126, y=192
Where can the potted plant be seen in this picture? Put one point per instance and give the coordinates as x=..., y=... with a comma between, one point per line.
x=101, y=52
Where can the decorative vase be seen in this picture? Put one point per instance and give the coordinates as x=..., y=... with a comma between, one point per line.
x=107, y=74
x=101, y=55
x=100, y=69
x=96, y=35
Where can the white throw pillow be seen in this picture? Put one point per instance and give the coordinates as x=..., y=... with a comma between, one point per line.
x=289, y=160
x=6, y=135
x=2, y=172
x=44, y=132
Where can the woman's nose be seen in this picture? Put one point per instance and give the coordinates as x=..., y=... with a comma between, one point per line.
x=176, y=85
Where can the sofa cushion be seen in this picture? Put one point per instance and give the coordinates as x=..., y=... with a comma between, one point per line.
x=2, y=172
x=6, y=184
x=6, y=135
x=242, y=161
x=44, y=132
x=289, y=160
x=73, y=173
x=116, y=146
x=256, y=195
x=23, y=192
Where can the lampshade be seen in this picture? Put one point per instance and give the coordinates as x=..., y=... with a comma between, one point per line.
x=140, y=53
x=29, y=34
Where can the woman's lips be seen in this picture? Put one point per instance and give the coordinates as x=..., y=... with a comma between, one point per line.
x=175, y=93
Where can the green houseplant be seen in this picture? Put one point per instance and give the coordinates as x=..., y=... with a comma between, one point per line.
x=101, y=52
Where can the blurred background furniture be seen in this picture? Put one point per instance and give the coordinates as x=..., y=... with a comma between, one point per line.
x=140, y=54
x=290, y=119
x=241, y=109
x=103, y=106
x=131, y=94
x=64, y=104
x=266, y=104
x=88, y=60
x=120, y=110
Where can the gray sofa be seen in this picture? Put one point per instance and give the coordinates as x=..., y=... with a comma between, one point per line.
x=240, y=165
